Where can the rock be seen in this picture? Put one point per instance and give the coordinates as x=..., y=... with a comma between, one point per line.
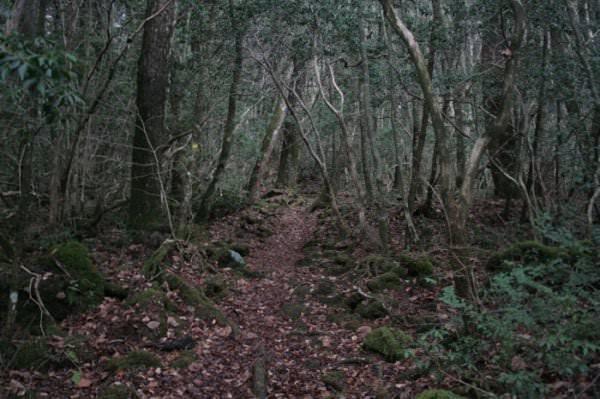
x=438, y=394
x=177, y=344
x=363, y=331
x=388, y=342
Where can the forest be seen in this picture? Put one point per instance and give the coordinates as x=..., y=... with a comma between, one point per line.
x=300, y=199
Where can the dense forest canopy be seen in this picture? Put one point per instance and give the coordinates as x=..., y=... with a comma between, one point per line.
x=428, y=126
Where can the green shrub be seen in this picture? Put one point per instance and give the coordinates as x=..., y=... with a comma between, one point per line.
x=524, y=252
x=388, y=342
x=535, y=325
x=416, y=267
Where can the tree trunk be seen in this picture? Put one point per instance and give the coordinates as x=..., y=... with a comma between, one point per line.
x=145, y=211
x=268, y=143
x=228, y=130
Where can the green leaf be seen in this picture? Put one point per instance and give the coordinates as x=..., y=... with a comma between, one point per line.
x=22, y=71
x=76, y=377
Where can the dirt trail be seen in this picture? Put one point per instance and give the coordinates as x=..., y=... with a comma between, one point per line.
x=297, y=352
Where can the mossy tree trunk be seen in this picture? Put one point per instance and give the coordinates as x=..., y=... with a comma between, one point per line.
x=145, y=210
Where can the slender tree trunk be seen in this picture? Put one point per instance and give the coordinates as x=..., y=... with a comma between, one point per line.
x=228, y=130
x=145, y=211
x=271, y=134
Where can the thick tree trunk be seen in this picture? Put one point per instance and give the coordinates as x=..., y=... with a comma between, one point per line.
x=145, y=211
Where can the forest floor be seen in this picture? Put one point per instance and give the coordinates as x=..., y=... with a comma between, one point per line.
x=286, y=327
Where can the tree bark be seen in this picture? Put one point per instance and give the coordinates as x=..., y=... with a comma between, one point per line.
x=229, y=128
x=145, y=211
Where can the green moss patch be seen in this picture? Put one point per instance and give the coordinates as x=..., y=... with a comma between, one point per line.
x=371, y=309
x=388, y=280
x=86, y=287
x=416, y=266
x=388, y=342
x=184, y=359
x=524, y=252
x=438, y=394
x=335, y=380
x=137, y=360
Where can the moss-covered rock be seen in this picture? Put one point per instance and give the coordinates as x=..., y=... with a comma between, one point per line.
x=117, y=391
x=388, y=280
x=335, y=380
x=388, y=342
x=184, y=359
x=86, y=286
x=136, y=360
x=438, y=394
x=343, y=259
x=153, y=266
x=155, y=302
x=416, y=266
x=371, y=309
x=524, y=252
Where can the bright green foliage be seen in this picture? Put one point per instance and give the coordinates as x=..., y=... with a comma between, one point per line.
x=134, y=361
x=416, y=267
x=41, y=69
x=524, y=252
x=87, y=285
x=437, y=394
x=538, y=319
x=388, y=342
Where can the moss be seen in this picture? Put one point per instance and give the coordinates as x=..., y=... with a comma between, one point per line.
x=388, y=342
x=134, y=361
x=215, y=287
x=371, y=309
x=150, y=296
x=388, y=280
x=34, y=354
x=88, y=286
x=438, y=394
x=524, y=252
x=293, y=310
x=117, y=392
x=343, y=259
x=416, y=267
x=353, y=300
x=153, y=265
x=184, y=359
x=335, y=379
